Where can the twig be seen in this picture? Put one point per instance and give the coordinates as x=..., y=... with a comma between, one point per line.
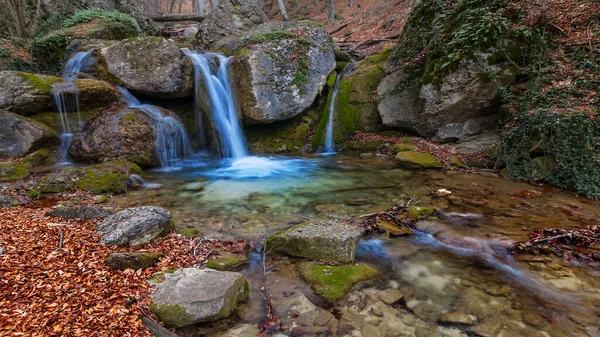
x=198, y=245
x=60, y=242
x=552, y=238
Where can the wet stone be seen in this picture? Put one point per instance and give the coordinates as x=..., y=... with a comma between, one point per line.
x=457, y=317
x=390, y=295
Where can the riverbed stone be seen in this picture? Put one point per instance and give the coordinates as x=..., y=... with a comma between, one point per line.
x=329, y=240
x=417, y=160
x=20, y=135
x=192, y=295
x=135, y=226
x=458, y=318
x=135, y=260
x=80, y=212
x=26, y=93
x=11, y=172
x=152, y=66
x=8, y=201
x=390, y=295
x=228, y=262
x=334, y=282
x=281, y=68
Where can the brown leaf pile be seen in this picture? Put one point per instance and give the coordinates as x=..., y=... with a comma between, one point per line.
x=45, y=291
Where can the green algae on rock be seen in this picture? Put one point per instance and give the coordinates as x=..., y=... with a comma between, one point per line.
x=11, y=172
x=420, y=212
x=334, y=282
x=227, y=262
x=418, y=160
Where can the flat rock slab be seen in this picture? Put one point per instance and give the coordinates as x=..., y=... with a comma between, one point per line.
x=135, y=226
x=80, y=212
x=192, y=295
x=137, y=260
x=328, y=240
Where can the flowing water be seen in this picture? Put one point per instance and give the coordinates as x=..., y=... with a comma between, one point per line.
x=329, y=146
x=456, y=261
x=76, y=64
x=172, y=143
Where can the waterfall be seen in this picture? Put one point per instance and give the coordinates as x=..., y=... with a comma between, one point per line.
x=329, y=146
x=66, y=95
x=172, y=143
x=225, y=118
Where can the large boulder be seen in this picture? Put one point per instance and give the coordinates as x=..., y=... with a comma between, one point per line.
x=329, y=240
x=20, y=135
x=152, y=66
x=192, y=295
x=135, y=226
x=25, y=93
x=229, y=17
x=281, y=68
x=126, y=133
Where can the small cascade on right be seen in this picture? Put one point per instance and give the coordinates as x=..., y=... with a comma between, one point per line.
x=224, y=113
x=66, y=97
x=172, y=143
x=329, y=146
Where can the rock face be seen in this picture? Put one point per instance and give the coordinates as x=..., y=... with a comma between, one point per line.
x=128, y=133
x=230, y=17
x=192, y=295
x=25, y=93
x=135, y=226
x=20, y=135
x=151, y=66
x=80, y=212
x=281, y=68
x=328, y=240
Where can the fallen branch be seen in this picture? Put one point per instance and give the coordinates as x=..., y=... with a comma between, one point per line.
x=339, y=28
x=177, y=17
x=375, y=41
x=156, y=329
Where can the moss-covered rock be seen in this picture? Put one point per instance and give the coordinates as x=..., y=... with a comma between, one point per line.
x=135, y=261
x=334, y=282
x=20, y=135
x=95, y=94
x=418, y=160
x=188, y=232
x=11, y=172
x=38, y=157
x=402, y=148
x=98, y=181
x=420, y=212
x=26, y=93
x=227, y=262
x=364, y=145
x=455, y=161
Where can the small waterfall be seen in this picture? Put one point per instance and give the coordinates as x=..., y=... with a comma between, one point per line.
x=172, y=143
x=66, y=96
x=225, y=118
x=76, y=64
x=329, y=146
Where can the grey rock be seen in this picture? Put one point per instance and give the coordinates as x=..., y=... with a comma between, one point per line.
x=151, y=66
x=18, y=93
x=459, y=318
x=135, y=261
x=6, y=201
x=279, y=78
x=20, y=135
x=80, y=212
x=486, y=142
x=135, y=226
x=192, y=295
x=330, y=240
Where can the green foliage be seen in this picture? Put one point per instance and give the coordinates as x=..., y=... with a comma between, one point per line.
x=275, y=35
x=55, y=22
x=571, y=138
x=120, y=25
x=50, y=50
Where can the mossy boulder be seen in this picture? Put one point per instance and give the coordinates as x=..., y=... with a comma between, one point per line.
x=192, y=295
x=417, y=160
x=227, y=262
x=364, y=145
x=152, y=66
x=11, y=172
x=328, y=240
x=95, y=94
x=20, y=135
x=8, y=201
x=135, y=261
x=188, y=232
x=420, y=212
x=402, y=148
x=333, y=282
x=356, y=104
x=26, y=93
x=280, y=69
x=38, y=157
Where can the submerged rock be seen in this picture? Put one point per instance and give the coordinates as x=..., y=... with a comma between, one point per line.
x=281, y=68
x=329, y=240
x=80, y=212
x=334, y=282
x=135, y=226
x=135, y=261
x=20, y=135
x=192, y=295
x=25, y=93
x=228, y=262
x=149, y=65
x=127, y=133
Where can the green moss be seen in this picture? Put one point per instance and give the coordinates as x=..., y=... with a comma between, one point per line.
x=364, y=145
x=103, y=182
x=34, y=194
x=334, y=282
x=402, y=148
x=10, y=172
x=418, y=212
x=52, y=119
x=417, y=160
x=227, y=262
x=376, y=59
x=37, y=158
x=172, y=315
x=188, y=232
x=40, y=82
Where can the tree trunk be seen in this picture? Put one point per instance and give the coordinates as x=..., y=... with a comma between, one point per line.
x=331, y=8
x=177, y=17
x=283, y=12
x=15, y=9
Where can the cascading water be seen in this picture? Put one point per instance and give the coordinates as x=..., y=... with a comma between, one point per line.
x=224, y=113
x=66, y=95
x=329, y=146
x=172, y=143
